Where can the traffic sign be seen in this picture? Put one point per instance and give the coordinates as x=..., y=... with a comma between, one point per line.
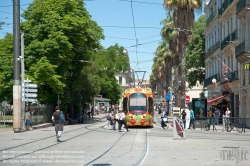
x=168, y=96
x=29, y=90
x=187, y=99
x=4, y=103
x=30, y=100
x=30, y=95
x=27, y=80
x=30, y=85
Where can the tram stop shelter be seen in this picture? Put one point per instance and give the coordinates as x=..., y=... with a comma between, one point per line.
x=100, y=102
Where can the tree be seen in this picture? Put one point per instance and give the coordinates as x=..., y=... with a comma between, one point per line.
x=183, y=14
x=195, y=63
x=6, y=68
x=1, y=23
x=61, y=34
x=110, y=61
x=161, y=67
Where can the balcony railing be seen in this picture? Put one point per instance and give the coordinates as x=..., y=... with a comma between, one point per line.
x=233, y=76
x=242, y=48
x=211, y=17
x=232, y=37
x=241, y=5
x=208, y=81
x=212, y=49
x=225, y=42
x=224, y=6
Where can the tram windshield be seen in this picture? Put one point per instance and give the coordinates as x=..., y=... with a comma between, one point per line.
x=138, y=103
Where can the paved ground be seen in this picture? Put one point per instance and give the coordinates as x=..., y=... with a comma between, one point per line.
x=91, y=144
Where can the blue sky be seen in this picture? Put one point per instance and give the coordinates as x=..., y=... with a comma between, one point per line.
x=118, y=19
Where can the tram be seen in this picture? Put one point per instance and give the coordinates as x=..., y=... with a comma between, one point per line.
x=138, y=105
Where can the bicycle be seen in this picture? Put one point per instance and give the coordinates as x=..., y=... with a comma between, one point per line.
x=207, y=125
x=231, y=126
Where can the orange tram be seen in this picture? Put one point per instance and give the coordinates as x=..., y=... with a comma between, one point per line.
x=139, y=107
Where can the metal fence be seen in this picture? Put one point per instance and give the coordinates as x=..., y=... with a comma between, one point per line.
x=223, y=123
x=6, y=117
x=39, y=114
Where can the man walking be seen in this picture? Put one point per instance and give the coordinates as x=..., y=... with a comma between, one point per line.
x=191, y=119
x=58, y=125
x=216, y=115
x=122, y=121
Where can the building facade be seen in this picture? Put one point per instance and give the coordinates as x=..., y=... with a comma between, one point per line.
x=227, y=51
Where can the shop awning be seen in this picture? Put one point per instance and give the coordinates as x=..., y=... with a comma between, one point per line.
x=215, y=99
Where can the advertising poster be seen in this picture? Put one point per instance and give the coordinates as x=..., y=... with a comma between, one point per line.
x=199, y=106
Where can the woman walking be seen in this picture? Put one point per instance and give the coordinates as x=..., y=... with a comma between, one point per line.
x=116, y=118
x=109, y=119
x=183, y=117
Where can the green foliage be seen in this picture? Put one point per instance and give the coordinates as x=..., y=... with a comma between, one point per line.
x=109, y=62
x=195, y=57
x=1, y=23
x=59, y=35
x=6, y=68
x=60, y=42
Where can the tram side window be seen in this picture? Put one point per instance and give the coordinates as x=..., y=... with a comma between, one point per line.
x=125, y=105
x=150, y=105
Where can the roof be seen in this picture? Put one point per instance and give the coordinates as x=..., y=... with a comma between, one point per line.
x=101, y=99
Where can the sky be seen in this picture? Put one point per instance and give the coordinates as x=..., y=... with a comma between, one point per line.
x=134, y=25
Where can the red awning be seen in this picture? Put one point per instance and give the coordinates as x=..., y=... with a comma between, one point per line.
x=215, y=99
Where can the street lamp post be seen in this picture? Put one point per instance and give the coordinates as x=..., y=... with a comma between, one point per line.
x=23, y=75
x=17, y=88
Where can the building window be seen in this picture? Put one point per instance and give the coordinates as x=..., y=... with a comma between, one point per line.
x=120, y=80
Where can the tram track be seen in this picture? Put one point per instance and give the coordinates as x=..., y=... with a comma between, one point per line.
x=35, y=142
x=112, y=150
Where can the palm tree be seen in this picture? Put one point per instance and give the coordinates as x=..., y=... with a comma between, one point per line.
x=160, y=76
x=183, y=20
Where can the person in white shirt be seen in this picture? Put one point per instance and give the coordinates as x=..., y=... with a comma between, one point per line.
x=227, y=113
x=187, y=118
x=116, y=119
x=122, y=121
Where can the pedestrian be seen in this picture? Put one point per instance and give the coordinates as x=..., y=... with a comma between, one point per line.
x=216, y=115
x=187, y=118
x=227, y=114
x=116, y=118
x=163, y=122
x=109, y=118
x=183, y=117
x=27, y=120
x=122, y=121
x=92, y=110
x=191, y=119
x=58, y=125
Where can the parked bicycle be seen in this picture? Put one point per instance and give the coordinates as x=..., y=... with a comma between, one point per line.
x=230, y=126
x=208, y=123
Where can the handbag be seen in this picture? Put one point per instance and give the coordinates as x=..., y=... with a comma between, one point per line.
x=108, y=118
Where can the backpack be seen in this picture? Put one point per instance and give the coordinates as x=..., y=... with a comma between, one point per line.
x=62, y=117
